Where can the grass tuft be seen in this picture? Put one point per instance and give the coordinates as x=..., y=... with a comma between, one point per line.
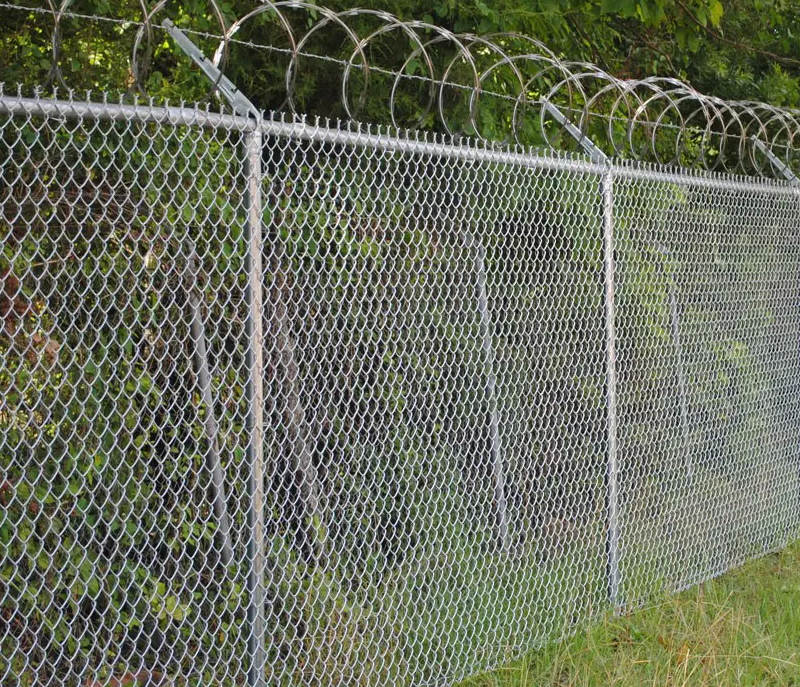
x=741, y=629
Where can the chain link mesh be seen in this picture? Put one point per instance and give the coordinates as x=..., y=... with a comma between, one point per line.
x=429, y=495
x=708, y=289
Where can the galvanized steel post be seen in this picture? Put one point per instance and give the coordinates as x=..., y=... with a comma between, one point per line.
x=254, y=354
x=255, y=417
x=495, y=446
x=612, y=465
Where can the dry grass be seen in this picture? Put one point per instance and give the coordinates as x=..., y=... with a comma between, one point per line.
x=741, y=629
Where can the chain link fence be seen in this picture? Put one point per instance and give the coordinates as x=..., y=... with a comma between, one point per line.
x=290, y=405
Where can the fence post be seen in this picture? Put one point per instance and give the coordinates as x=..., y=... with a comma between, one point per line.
x=787, y=173
x=255, y=408
x=498, y=470
x=612, y=467
x=201, y=367
x=301, y=454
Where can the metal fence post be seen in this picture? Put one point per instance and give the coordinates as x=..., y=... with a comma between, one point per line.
x=254, y=354
x=787, y=173
x=293, y=410
x=612, y=467
x=213, y=460
x=255, y=406
x=498, y=469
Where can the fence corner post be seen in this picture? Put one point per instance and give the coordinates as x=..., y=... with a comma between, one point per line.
x=255, y=409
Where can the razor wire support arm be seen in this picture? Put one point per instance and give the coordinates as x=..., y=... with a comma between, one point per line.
x=776, y=162
x=240, y=104
x=586, y=143
x=612, y=463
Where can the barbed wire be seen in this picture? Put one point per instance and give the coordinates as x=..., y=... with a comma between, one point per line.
x=456, y=74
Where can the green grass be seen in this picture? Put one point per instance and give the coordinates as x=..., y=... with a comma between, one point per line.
x=741, y=629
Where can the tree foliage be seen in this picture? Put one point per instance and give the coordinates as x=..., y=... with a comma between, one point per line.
x=745, y=49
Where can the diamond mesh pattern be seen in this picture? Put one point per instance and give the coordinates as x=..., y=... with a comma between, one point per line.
x=708, y=279
x=109, y=561
x=430, y=493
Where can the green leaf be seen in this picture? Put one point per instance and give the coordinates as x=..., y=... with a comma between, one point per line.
x=483, y=8
x=93, y=586
x=623, y=7
x=715, y=11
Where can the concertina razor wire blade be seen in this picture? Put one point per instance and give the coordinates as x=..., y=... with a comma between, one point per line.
x=657, y=119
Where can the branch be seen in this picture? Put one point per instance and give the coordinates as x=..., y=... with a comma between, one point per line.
x=652, y=46
x=737, y=44
x=576, y=27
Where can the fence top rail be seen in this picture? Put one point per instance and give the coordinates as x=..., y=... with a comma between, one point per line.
x=655, y=119
x=464, y=150
x=341, y=133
